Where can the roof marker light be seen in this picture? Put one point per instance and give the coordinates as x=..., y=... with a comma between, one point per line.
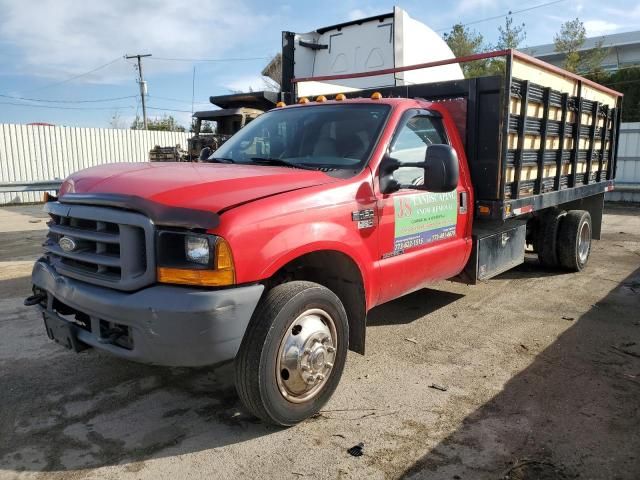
x=340, y=97
x=376, y=96
x=280, y=104
x=303, y=100
x=321, y=99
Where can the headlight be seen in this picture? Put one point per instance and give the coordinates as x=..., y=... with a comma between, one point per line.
x=194, y=259
x=197, y=249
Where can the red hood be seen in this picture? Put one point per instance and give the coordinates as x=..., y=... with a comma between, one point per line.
x=212, y=186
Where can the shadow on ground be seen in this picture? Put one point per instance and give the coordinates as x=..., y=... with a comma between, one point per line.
x=574, y=412
x=411, y=307
x=531, y=268
x=88, y=410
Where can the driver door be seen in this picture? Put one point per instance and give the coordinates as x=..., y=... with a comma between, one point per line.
x=422, y=235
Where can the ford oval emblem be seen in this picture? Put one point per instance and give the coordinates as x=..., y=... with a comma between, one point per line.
x=67, y=244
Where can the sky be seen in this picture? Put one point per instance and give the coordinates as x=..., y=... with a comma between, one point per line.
x=67, y=55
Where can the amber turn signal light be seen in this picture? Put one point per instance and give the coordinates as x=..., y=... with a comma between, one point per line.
x=201, y=278
x=221, y=276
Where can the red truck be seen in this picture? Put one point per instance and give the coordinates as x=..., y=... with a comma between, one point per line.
x=272, y=254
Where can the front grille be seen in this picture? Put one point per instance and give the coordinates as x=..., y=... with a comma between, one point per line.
x=113, y=248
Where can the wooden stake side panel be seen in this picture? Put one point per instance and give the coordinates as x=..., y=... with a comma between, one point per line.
x=536, y=74
x=547, y=148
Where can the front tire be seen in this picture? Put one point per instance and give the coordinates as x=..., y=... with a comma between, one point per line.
x=293, y=353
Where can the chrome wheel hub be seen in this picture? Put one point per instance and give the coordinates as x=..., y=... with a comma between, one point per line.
x=306, y=356
x=584, y=242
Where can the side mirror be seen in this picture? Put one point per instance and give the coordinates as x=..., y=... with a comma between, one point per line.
x=440, y=169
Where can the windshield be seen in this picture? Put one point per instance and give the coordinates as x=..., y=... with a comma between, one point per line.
x=319, y=136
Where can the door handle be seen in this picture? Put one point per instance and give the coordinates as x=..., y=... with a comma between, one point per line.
x=463, y=203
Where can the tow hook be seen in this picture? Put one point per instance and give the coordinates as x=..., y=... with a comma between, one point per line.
x=34, y=299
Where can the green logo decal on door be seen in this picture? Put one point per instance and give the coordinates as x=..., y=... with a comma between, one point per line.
x=424, y=218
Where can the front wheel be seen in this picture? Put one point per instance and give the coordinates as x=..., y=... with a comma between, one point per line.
x=293, y=353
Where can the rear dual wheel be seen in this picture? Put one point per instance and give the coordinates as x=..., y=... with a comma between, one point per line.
x=564, y=239
x=547, y=244
x=293, y=353
x=574, y=240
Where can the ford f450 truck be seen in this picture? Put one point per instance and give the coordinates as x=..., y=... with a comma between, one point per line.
x=272, y=254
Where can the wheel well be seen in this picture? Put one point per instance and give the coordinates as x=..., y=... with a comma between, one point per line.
x=340, y=274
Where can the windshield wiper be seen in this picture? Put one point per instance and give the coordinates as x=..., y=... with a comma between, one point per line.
x=280, y=162
x=220, y=160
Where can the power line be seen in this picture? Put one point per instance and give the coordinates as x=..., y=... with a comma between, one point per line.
x=237, y=59
x=169, y=109
x=176, y=100
x=59, y=107
x=74, y=77
x=42, y=100
x=510, y=12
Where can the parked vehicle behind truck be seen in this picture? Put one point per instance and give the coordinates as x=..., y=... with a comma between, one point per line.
x=233, y=112
x=315, y=213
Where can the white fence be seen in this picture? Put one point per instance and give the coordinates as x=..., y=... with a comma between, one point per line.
x=628, y=171
x=35, y=152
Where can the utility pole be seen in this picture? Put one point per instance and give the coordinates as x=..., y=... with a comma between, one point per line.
x=143, y=85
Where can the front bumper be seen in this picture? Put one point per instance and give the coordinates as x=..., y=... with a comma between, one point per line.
x=166, y=325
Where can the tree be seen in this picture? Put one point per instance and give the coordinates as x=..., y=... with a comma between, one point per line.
x=569, y=41
x=166, y=123
x=206, y=127
x=464, y=42
x=117, y=121
x=510, y=36
x=627, y=81
x=591, y=62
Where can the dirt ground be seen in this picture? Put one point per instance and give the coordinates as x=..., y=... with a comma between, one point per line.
x=541, y=370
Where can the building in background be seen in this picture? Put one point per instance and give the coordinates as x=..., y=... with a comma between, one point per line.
x=624, y=50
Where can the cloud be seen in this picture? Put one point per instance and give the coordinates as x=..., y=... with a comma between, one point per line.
x=470, y=6
x=244, y=83
x=596, y=28
x=67, y=37
x=359, y=13
x=356, y=14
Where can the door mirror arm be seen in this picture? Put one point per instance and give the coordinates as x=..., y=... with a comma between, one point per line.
x=388, y=184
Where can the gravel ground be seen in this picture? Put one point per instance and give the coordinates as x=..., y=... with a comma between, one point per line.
x=541, y=370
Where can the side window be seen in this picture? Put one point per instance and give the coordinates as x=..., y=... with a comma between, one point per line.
x=411, y=143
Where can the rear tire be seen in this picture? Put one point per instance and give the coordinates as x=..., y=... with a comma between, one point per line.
x=548, y=238
x=574, y=240
x=293, y=353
